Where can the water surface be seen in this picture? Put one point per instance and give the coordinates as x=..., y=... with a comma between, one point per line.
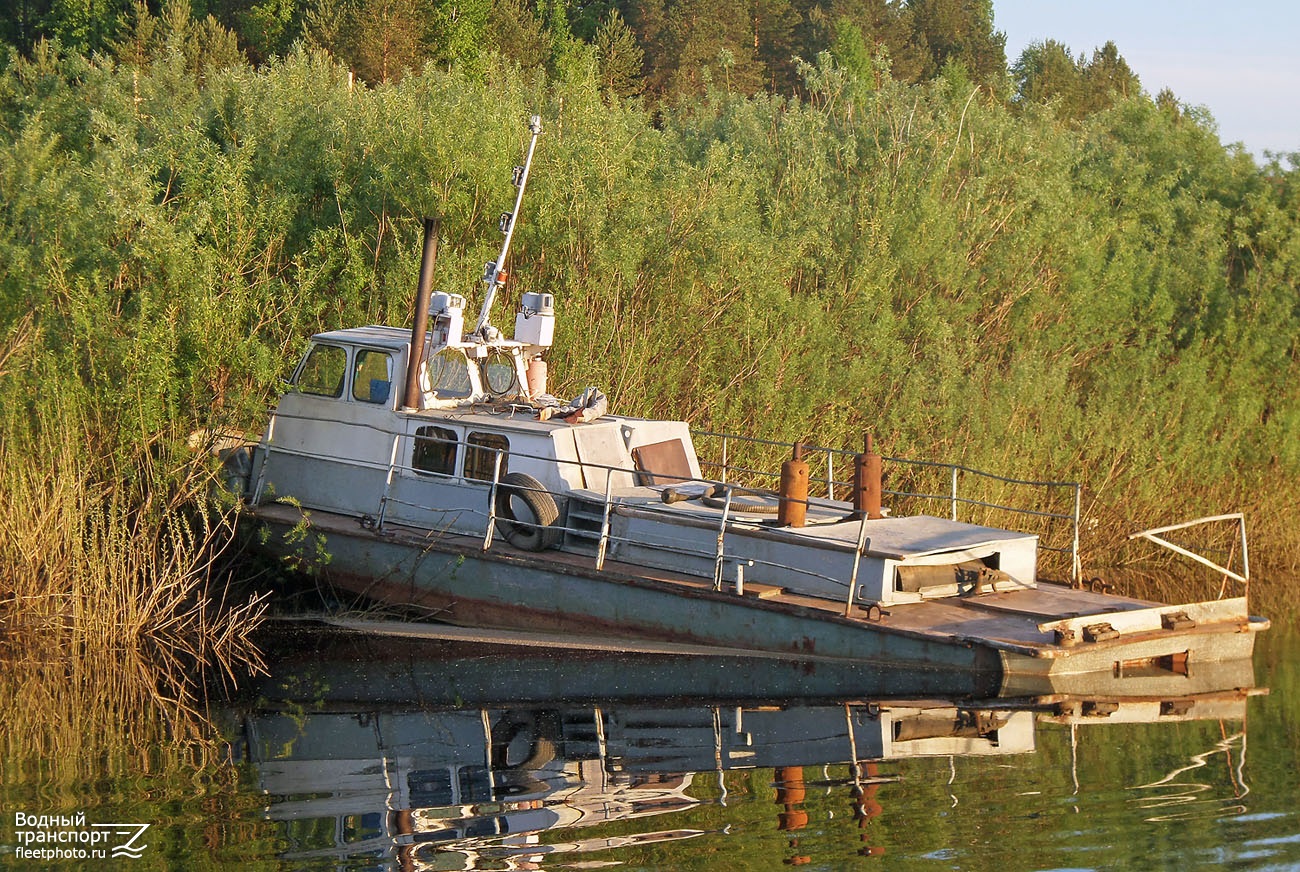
x=455, y=758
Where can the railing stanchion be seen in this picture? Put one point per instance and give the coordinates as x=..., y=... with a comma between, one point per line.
x=604, y=523
x=857, y=562
x=266, y=455
x=492, y=501
x=1245, y=558
x=724, y=459
x=388, y=482
x=722, y=532
x=1076, y=566
x=954, y=493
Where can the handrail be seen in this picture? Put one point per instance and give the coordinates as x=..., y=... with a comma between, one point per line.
x=719, y=555
x=1152, y=535
x=722, y=532
x=388, y=481
x=607, y=502
x=604, y=523
x=857, y=561
x=953, y=497
x=255, y=497
x=492, y=500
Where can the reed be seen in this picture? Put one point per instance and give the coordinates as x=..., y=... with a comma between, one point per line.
x=114, y=603
x=91, y=562
x=118, y=735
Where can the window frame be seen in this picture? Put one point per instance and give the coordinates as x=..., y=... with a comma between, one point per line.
x=359, y=357
x=448, y=439
x=316, y=348
x=449, y=359
x=479, y=463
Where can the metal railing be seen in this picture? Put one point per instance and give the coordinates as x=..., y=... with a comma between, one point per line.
x=1153, y=535
x=720, y=556
x=955, y=498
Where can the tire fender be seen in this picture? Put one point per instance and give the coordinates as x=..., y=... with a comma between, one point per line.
x=527, y=513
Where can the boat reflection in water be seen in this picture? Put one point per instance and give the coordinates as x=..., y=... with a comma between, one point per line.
x=412, y=754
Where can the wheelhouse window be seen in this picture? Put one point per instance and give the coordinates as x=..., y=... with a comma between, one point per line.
x=448, y=372
x=499, y=376
x=481, y=452
x=435, y=451
x=322, y=372
x=372, y=376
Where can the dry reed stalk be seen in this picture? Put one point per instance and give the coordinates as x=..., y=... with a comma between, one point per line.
x=84, y=558
x=111, y=606
x=70, y=717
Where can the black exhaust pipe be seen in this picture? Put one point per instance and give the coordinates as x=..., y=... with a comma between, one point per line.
x=411, y=397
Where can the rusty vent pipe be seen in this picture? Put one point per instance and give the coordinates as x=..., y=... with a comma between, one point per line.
x=411, y=396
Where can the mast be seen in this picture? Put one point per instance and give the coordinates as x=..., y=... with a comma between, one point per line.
x=494, y=270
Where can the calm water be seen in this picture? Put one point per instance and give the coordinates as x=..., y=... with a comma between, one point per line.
x=399, y=756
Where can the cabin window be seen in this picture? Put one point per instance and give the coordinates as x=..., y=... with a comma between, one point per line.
x=480, y=455
x=449, y=374
x=435, y=451
x=323, y=370
x=500, y=376
x=372, y=376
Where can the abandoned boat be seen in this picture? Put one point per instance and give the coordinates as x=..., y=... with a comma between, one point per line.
x=429, y=467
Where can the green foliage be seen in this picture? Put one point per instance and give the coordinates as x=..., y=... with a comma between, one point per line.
x=959, y=32
x=1046, y=72
x=620, y=57
x=518, y=33
x=459, y=27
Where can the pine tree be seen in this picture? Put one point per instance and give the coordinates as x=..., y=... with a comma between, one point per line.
x=707, y=43
x=620, y=58
x=1108, y=76
x=389, y=39
x=515, y=31
x=960, y=31
x=1046, y=71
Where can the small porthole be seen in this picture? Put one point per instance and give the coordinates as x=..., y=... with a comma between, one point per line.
x=448, y=372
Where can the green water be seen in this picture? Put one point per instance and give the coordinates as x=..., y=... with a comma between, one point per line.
x=314, y=777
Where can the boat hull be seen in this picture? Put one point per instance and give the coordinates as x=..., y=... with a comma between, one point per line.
x=454, y=580
x=451, y=581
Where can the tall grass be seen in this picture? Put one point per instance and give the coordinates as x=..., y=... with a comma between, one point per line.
x=112, y=597
x=102, y=565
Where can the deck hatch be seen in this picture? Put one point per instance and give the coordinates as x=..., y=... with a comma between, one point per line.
x=662, y=463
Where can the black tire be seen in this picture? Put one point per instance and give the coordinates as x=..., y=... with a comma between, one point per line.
x=526, y=513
